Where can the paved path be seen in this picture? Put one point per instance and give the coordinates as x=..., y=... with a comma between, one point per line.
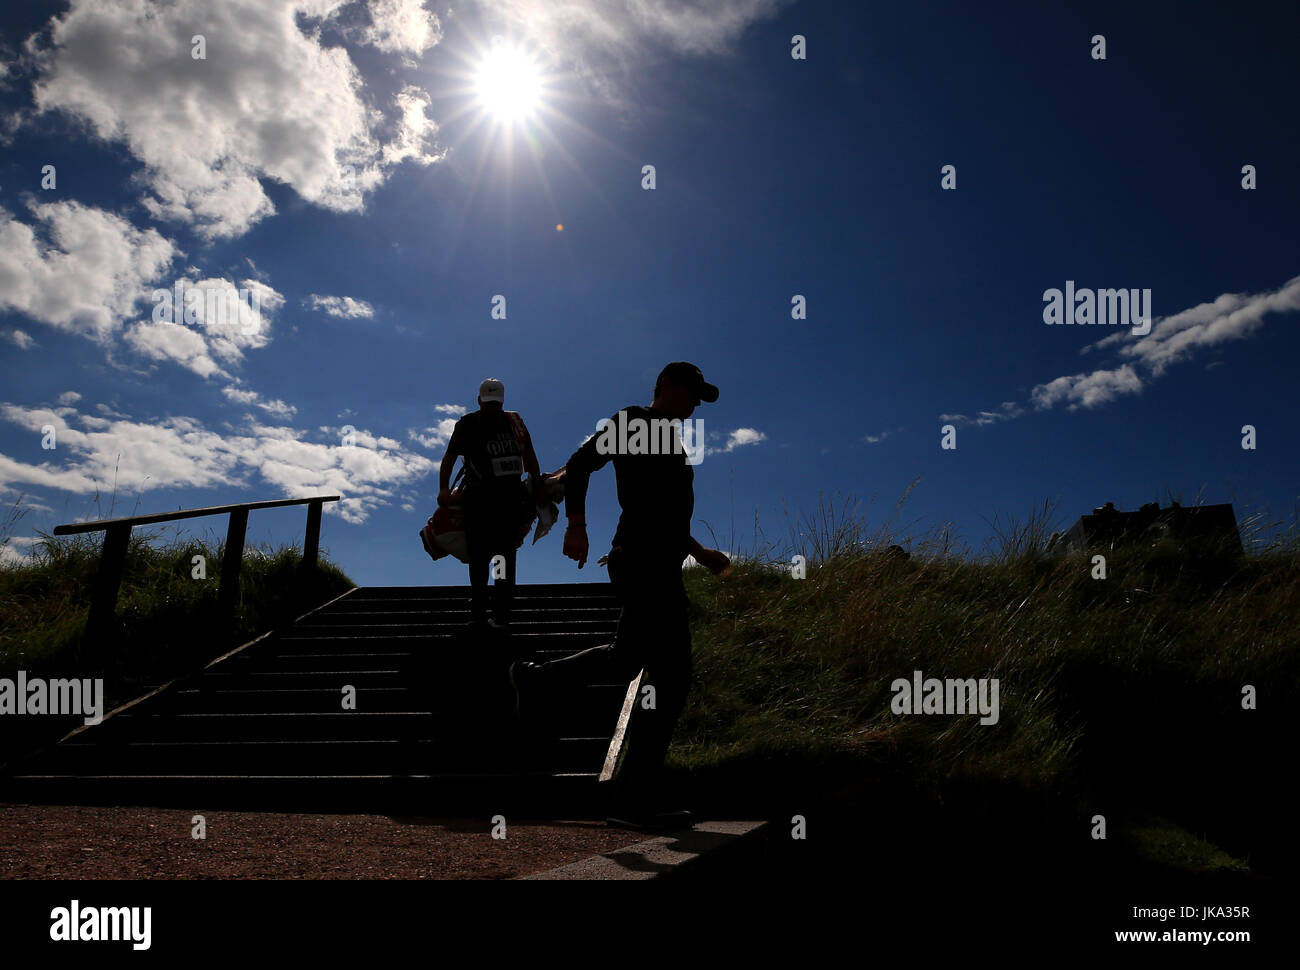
x=94, y=842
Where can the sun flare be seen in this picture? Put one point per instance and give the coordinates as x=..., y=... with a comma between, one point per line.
x=508, y=83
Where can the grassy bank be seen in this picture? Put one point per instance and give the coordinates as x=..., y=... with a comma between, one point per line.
x=1119, y=696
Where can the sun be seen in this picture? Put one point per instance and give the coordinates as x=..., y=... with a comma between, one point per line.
x=508, y=83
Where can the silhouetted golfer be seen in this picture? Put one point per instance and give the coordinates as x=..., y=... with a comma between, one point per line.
x=497, y=449
x=656, y=493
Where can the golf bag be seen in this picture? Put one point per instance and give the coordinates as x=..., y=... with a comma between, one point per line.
x=444, y=533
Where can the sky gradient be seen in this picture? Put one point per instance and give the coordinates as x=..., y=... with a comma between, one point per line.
x=334, y=161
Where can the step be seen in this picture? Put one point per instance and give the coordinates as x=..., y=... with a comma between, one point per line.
x=382, y=757
x=291, y=700
x=543, y=590
x=428, y=636
x=490, y=717
x=449, y=619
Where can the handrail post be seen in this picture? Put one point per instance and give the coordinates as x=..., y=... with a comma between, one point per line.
x=228, y=594
x=108, y=582
x=311, y=542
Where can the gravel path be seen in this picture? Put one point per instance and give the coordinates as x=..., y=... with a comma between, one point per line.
x=97, y=842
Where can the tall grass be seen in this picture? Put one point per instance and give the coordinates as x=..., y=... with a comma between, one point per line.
x=1122, y=689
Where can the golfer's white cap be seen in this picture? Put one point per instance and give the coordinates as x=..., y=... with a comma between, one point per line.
x=492, y=390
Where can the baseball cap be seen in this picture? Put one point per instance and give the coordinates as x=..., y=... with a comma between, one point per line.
x=492, y=390
x=685, y=374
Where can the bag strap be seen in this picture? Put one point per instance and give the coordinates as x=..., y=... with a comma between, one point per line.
x=521, y=435
x=458, y=476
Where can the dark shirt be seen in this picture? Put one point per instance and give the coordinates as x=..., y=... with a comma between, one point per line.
x=494, y=462
x=655, y=491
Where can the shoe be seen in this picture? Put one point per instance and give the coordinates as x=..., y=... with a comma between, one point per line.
x=652, y=822
x=519, y=674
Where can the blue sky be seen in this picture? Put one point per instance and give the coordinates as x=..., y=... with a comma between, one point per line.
x=337, y=163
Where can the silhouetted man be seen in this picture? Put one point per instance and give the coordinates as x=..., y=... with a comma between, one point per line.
x=497, y=449
x=656, y=493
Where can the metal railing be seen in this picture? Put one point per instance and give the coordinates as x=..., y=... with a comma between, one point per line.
x=117, y=536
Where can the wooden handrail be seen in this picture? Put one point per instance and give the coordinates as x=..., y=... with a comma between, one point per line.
x=117, y=536
x=134, y=520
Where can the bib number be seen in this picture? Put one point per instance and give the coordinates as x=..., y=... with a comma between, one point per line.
x=512, y=465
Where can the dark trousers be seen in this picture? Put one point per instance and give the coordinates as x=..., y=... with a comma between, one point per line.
x=491, y=529
x=653, y=633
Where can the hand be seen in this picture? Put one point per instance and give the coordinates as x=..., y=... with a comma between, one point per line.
x=714, y=561
x=575, y=544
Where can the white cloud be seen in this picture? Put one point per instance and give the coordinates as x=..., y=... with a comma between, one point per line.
x=874, y=439
x=457, y=409
x=240, y=396
x=1232, y=316
x=21, y=338
x=616, y=27
x=413, y=129
x=276, y=408
x=437, y=436
x=68, y=397
x=738, y=439
x=225, y=322
x=268, y=101
x=340, y=306
x=178, y=452
x=17, y=550
x=1006, y=412
x=84, y=271
x=401, y=26
x=1088, y=390
x=1172, y=340
x=363, y=438
x=169, y=341
x=608, y=42
x=12, y=496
